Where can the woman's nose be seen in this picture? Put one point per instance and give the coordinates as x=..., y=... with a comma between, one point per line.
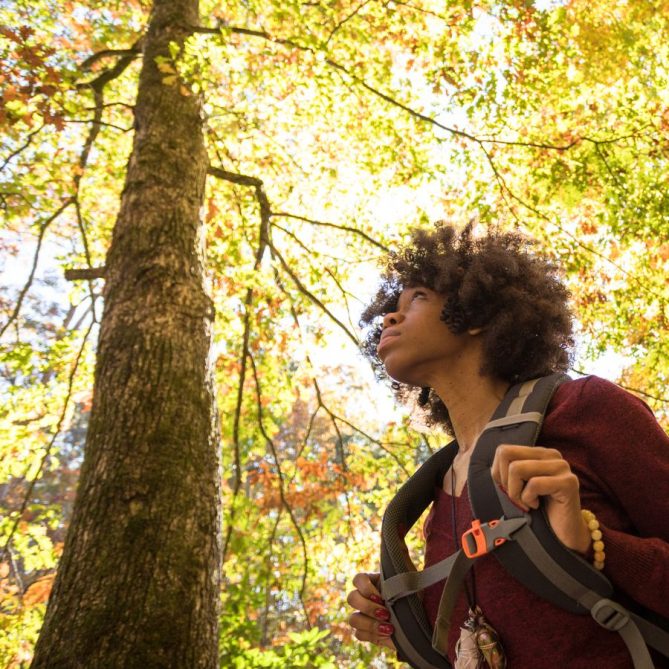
x=392, y=318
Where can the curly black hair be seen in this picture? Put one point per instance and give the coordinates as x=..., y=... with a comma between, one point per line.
x=495, y=281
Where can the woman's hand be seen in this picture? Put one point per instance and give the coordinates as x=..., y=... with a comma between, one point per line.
x=526, y=473
x=370, y=620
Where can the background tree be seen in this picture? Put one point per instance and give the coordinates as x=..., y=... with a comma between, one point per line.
x=329, y=127
x=138, y=583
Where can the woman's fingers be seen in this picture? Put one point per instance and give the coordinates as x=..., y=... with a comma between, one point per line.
x=559, y=487
x=370, y=618
x=368, y=585
x=529, y=473
x=521, y=484
x=506, y=454
x=367, y=606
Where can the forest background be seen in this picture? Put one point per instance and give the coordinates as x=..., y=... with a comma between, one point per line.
x=329, y=129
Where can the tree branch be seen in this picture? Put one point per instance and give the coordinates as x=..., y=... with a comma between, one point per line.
x=248, y=302
x=49, y=446
x=26, y=287
x=504, y=188
x=85, y=274
x=308, y=294
x=132, y=52
x=117, y=70
x=282, y=494
x=636, y=391
x=336, y=226
x=348, y=17
x=22, y=148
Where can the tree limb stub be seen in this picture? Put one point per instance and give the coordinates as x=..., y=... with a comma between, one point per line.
x=85, y=274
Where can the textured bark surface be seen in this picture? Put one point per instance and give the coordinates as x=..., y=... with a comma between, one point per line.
x=138, y=583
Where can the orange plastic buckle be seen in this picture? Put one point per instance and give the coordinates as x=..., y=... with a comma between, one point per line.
x=474, y=542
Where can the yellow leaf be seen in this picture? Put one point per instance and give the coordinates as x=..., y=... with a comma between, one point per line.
x=166, y=68
x=170, y=81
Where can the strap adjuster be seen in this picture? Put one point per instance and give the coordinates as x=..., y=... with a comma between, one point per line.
x=482, y=538
x=610, y=615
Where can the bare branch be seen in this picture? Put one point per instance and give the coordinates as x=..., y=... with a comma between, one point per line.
x=336, y=226
x=636, y=391
x=42, y=229
x=23, y=147
x=133, y=52
x=49, y=446
x=100, y=123
x=233, y=177
x=506, y=190
x=307, y=293
x=86, y=274
x=282, y=492
x=396, y=103
x=348, y=17
x=117, y=70
x=248, y=302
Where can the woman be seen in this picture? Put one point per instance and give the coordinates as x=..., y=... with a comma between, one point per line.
x=463, y=318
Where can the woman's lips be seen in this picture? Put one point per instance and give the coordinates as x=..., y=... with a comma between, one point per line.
x=385, y=338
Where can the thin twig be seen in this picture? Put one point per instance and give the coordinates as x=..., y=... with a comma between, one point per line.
x=42, y=229
x=308, y=294
x=22, y=148
x=336, y=226
x=49, y=446
x=282, y=494
x=636, y=391
x=263, y=234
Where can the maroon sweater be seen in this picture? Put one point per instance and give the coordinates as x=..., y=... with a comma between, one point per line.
x=621, y=457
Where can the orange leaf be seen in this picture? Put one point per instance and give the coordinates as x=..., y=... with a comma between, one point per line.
x=39, y=591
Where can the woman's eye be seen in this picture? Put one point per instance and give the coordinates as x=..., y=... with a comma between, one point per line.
x=418, y=293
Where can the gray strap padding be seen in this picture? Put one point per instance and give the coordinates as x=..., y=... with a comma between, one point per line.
x=515, y=419
x=517, y=405
x=409, y=582
x=609, y=614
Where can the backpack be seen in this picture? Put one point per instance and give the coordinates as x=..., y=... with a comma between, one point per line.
x=523, y=542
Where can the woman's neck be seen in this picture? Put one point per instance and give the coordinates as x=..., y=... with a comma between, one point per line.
x=471, y=398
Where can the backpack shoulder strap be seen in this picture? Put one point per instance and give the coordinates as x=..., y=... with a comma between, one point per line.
x=518, y=420
x=413, y=633
x=536, y=557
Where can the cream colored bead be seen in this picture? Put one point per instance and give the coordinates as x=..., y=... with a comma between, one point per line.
x=596, y=535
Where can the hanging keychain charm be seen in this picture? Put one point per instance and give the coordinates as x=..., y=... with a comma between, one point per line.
x=479, y=644
x=467, y=653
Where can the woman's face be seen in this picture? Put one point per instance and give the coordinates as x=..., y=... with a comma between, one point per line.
x=416, y=344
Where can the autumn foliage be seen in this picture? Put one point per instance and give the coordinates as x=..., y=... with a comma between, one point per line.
x=330, y=128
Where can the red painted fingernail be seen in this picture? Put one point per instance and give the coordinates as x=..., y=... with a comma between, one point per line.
x=382, y=614
x=386, y=629
x=376, y=599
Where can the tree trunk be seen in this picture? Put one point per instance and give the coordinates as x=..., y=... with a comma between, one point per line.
x=138, y=583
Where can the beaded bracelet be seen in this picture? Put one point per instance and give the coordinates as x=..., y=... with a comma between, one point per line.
x=596, y=534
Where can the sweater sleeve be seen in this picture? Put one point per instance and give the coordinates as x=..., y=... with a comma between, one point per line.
x=628, y=452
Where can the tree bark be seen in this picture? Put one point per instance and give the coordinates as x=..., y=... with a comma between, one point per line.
x=138, y=583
